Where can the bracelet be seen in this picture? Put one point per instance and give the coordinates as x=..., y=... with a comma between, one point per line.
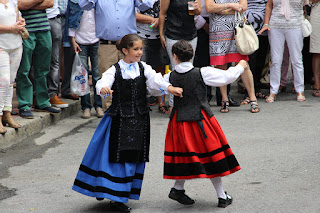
x=265, y=25
x=225, y=6
x=10, y=29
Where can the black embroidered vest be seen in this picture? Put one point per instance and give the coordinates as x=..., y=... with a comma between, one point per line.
x=194, y=96
x=129, y=95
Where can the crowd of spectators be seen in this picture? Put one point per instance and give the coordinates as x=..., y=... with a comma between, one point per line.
x=41, y=65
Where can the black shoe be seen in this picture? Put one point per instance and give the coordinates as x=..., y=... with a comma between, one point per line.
x=180, y=196
x=223, y=203
x=26, y=113
x=99, y=198
x=233, y=102
x=121, y=207
x=49, y=109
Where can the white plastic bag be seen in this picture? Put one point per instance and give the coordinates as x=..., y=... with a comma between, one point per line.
x=306, y=27
x=79, y=83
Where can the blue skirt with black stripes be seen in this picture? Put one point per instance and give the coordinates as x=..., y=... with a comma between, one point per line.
x=97, y=177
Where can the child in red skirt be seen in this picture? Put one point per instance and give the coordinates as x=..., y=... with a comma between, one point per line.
x=195, y=145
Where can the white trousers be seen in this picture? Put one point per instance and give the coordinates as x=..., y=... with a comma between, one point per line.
x=294, y=39
x=9, y=64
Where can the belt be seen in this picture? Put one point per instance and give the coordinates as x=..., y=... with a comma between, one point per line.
x=102, y=41
x=58, y=16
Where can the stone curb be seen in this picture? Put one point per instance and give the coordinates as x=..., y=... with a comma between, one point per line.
x=33, y=126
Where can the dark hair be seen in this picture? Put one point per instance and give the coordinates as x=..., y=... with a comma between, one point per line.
x=183, y=50
x=127, y=41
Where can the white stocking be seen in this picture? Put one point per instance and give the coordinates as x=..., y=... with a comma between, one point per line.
x=179, y=184
x=217, y=183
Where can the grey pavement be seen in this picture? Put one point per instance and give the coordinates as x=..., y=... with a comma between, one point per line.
x=278, y=150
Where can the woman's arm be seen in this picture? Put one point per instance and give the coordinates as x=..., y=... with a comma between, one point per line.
x=244, y=5
x=15, y=28
x=141, y=18
x=267, y=16
x=212, y=7
x=164, y=5
x=197, y=7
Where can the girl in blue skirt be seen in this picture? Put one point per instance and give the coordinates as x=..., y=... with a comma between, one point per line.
x=114, y=163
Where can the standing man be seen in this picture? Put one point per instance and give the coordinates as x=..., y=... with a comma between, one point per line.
x=53, y=78
x=68, y=52
x=36, y=52
x=114, y=19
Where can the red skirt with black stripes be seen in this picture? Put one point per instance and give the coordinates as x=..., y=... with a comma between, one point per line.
x=189, y=154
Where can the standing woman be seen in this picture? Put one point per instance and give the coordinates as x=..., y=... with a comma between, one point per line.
x=315, y=45
x=223, y=49
x=176, y=24
x=10, y=57
x=283, y=20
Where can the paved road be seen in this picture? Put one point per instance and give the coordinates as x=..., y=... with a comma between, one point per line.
x=278, y=150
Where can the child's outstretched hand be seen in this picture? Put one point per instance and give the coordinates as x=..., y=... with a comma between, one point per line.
x=177, y=91
x=106, y=91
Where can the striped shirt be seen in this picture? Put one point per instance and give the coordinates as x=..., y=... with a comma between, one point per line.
x=36, y=20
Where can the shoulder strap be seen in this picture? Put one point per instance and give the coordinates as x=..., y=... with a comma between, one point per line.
x=141, y=68
x=17, y=12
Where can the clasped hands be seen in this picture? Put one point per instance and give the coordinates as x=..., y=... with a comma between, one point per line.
x=177, y=91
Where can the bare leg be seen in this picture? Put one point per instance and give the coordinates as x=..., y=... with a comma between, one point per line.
x=316, y=70
x=247, y=79
x=223, y=91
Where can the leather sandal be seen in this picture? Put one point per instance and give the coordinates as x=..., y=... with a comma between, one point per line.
x=245, y=101
x=164, y=109
x=224, y=107
x=270, y=99
x=316, y=92
x=2, y=129
x=300, y=97
x=254, y=106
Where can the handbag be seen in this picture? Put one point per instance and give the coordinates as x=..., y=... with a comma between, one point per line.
x=247, y=41
x=306, y=27
x=24, y=33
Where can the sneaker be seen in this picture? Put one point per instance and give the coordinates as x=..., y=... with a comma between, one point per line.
x=99, y=112
x=26, y=113
x=49, y=109
x=180, y=196
x=86, y=114
x=223, y=203
x=56, y=102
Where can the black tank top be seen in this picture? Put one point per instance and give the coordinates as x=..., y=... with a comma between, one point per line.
x=179, y=24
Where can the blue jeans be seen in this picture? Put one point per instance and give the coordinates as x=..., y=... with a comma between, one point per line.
x=92, y=52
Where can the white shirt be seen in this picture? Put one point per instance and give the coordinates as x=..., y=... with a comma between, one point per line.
x=86, y=33
x=53, y=11
x=210, y=75
x=154, y=82
x=9, y=41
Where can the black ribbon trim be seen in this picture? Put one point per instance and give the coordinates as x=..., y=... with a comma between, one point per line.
x=190, y=169
x=106, y=190
x=199, y=155
x=94, y=173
